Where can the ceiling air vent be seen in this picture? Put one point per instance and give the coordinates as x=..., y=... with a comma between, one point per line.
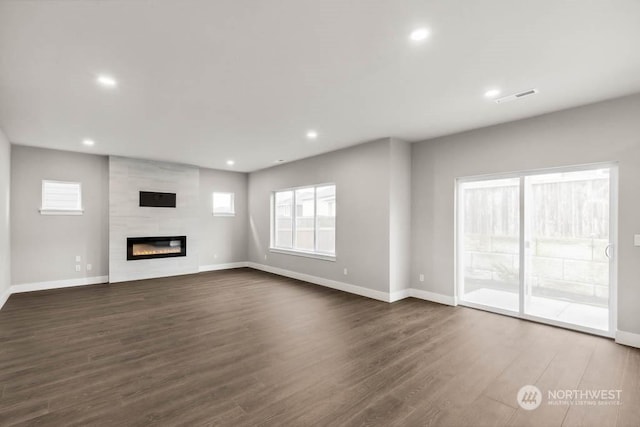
x=515, y=96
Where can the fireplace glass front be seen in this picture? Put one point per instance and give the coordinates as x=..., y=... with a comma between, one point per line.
x=156, y=247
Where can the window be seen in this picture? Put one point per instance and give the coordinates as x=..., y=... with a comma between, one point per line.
x=61, y=198
x=304, y=221
x=223, y=204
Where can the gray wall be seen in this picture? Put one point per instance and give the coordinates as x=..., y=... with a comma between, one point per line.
x=607, y=131
x=5, y=230
x=37, y=254
x=223, y=239
x=361, y=175
x=44, y=247
x=399, y=215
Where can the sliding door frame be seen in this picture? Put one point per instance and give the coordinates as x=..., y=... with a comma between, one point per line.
x=613, y=245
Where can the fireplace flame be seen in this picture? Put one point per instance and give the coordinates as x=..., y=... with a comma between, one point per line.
x=146, y=249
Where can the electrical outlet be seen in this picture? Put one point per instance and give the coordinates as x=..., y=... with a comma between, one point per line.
x=89, y=267
x=421, y=277
x=78, y=267
x=78, y=258
x=636, y=240
x=346, y=271
x=215, y=256
x=265, y=256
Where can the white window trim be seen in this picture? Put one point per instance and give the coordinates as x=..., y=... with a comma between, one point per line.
x=61, y=212
x=298, y=252
x=49, y=211
x=306, y=254
x=233, y=204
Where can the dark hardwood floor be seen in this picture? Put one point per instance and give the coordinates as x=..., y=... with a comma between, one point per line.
x=242, y=347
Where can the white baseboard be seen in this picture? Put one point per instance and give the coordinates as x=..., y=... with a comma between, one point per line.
x=226, y=266
x=398, y=295
x=621, y=337
x=628, y=338
x=4, y=297
x=57, y=284
x=433, y=297
x=359, y=290
x=341, y=286
x=85, y=281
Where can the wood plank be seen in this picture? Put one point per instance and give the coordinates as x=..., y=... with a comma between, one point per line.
x=243, y=347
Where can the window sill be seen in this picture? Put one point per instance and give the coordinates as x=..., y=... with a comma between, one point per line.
x=61, y=212
x=314, y=255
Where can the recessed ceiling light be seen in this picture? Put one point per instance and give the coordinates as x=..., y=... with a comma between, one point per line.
x=492, y=93
x=230, y=162
x=89, y=142
x=419, y=34
x=106, y=81
x=312, y=134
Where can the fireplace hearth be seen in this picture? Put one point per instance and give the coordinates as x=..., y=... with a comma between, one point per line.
x=156, y=247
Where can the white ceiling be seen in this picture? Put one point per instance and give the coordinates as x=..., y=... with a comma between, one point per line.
x=201, y=82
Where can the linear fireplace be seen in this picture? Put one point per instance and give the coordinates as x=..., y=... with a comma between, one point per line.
x=156, y=247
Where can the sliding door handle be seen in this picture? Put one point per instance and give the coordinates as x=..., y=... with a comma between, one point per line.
x=607, y=250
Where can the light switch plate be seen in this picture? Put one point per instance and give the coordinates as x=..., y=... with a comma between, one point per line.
x=636, y=240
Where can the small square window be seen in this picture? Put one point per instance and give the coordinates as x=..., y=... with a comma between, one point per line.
x=223, y=204
x=61, y=198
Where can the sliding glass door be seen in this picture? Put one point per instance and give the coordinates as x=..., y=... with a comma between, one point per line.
x=568, y=247
x=490, y=220
x=540, y=246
